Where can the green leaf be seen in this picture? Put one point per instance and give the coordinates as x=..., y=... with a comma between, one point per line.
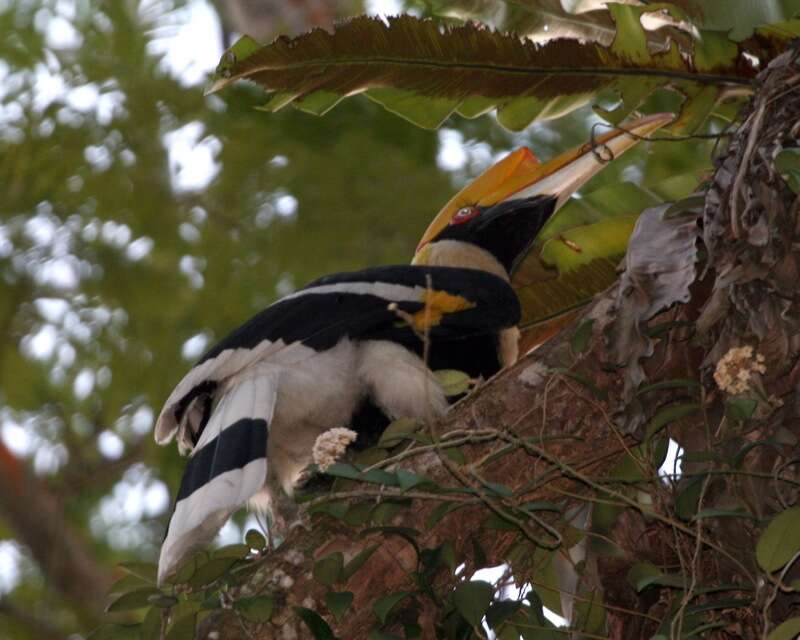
x=496, y=522
x=328, y=570
x=188, y=568
x=547, y=580
x=552, y=19
x=670, y=414
x=498, y=489
x=714, y=605
x=211, y=600
x=701, y=456
x=787, y=630
x=740, y=456
x=536, y=612
x=183, y=623
x=385, y=511
x=724, y=513
x=555, y=280
x=162, y=601
x=371, y=456
x=478, y=552
x=787, y=162
x=645, y=574
x=318, y=627
x=351, y=472
x=604, y=518
x=501, y=611
x=136, y=599
x=255, y=609
x=335, y=509
x=658, y=451
x=127, y=583
x=242, y=49
x=740, y=408
x=449, y=555
x=780, y=541
x=397, y=431
x=678, y=383
x=356, y=563
x=212, y=570
x=582, y=335
x=409, y=480
x=687, y=501
x=455, y=454
x=672, y=580
x=144, y=570
x=183, y=628
x=472, y=599
x=238, y=551
x=115, y=632
x=453, y=382
x=441, y=511
x=642, y=575
x=590, y=614
x=700, y=102
x=540, y=505
x=424, y=73
x=383, y=606
x=255, y=540
x=338, y=603
x=412, y=631
x=359, y=513
x=151, y=625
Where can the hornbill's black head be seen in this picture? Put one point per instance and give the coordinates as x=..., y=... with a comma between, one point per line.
x=505, y=230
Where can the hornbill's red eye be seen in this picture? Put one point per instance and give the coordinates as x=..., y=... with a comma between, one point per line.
x=464, y=214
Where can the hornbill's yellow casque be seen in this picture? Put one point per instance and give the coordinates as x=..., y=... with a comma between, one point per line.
x=346, y=351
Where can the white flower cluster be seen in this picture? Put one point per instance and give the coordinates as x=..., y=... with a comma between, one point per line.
x=736, y=369
x=331, y=445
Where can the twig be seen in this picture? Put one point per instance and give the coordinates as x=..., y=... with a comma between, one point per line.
x=752, y=138
x=573, y=473
x=676, y=627
x=774, y=594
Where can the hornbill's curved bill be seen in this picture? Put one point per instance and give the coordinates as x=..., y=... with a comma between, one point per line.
x=520, y=176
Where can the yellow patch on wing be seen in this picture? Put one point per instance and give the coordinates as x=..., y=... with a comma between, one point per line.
x=438, y=303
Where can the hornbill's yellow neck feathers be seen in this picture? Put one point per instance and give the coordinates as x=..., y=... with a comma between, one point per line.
x=505, y=230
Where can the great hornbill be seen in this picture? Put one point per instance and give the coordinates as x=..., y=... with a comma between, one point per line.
x=347, y=351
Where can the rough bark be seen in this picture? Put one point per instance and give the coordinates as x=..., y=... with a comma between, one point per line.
x=563, y=416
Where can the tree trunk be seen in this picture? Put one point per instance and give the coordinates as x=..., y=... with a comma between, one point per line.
x=37, y=519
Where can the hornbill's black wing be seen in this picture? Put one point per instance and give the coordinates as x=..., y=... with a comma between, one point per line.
x=455, y=303
x=223, y=407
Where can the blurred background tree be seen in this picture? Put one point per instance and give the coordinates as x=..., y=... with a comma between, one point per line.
x=140, y=221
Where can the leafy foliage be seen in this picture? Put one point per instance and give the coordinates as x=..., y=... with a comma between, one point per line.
x=425, y=72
